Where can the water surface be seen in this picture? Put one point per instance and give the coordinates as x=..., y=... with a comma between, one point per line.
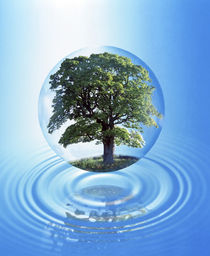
x=158, y=206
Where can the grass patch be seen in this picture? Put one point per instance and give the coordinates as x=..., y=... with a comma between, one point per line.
x=95, y=164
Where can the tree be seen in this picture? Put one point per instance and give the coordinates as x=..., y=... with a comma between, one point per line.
x=108, y=99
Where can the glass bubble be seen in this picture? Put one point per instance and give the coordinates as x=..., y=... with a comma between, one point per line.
x=84, y=150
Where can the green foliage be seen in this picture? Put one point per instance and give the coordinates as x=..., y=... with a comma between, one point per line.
x=96, y=164
x=105, y=95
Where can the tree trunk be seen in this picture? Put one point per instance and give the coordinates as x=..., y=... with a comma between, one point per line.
x=108, y=157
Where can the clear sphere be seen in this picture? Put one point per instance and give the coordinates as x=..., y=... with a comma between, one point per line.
x=81, y=150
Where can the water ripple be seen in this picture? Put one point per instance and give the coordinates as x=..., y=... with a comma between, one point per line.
x=53, y=201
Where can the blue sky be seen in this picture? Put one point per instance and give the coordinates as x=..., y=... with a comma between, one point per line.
x=171, y=37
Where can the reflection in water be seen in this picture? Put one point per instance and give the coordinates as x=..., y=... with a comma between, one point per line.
x=114, y=209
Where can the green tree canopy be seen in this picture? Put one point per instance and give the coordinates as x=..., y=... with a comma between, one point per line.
x=107, y=97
